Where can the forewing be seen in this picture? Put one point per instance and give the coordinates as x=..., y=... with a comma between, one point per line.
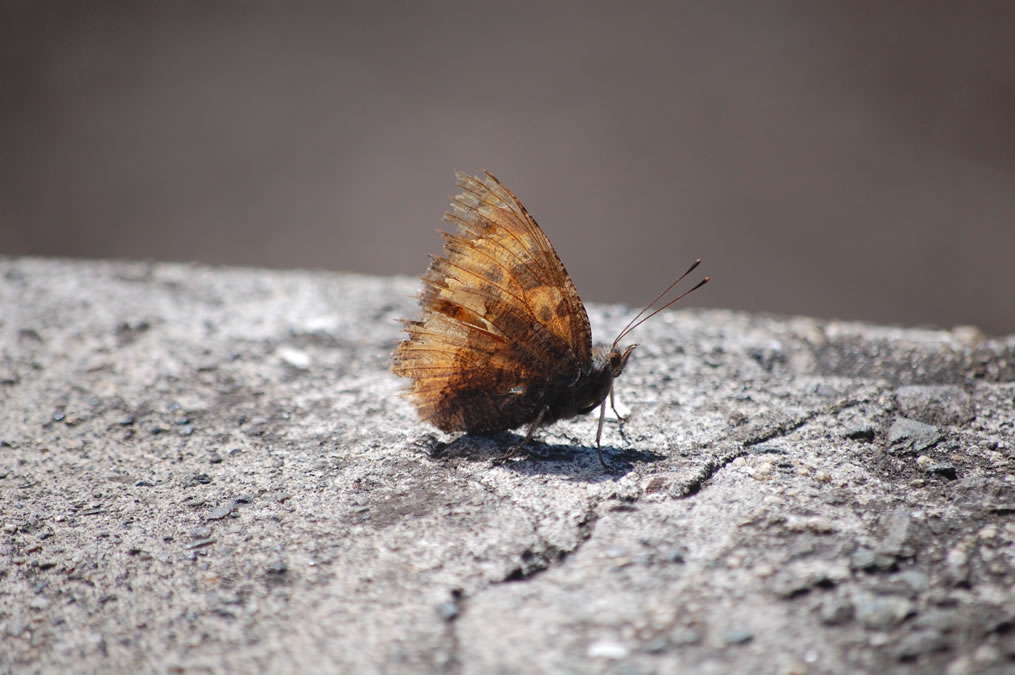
x=501, y=318
x=498, y=228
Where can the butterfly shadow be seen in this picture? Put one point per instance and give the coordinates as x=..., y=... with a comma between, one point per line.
x=580, y=462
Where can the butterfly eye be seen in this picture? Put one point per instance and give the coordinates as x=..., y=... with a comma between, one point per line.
x=618, y=359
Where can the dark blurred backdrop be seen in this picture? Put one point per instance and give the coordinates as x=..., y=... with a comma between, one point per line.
x=840, y=159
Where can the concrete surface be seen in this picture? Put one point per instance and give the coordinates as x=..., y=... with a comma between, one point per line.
x=209, y=470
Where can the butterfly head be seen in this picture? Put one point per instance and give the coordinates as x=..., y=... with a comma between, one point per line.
x=617, y=359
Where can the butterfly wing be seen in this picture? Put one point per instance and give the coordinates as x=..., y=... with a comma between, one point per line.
x=501, y=321
x=491, y=213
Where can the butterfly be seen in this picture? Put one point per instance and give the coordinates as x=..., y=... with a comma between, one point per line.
x=504, y=340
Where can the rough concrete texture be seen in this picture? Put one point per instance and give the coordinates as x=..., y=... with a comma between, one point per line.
x=208, y=469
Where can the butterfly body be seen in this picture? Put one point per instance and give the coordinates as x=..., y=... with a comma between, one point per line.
x=486, y=409
x=592, y=387
x=503, y=340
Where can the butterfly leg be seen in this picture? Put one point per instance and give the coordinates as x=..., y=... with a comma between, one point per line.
x=620, y=418
x=599, y=432
x=528, y=437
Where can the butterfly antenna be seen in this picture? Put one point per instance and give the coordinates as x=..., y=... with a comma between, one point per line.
x=639, y=320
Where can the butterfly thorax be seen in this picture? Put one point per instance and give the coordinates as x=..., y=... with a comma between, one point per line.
x=592, y=385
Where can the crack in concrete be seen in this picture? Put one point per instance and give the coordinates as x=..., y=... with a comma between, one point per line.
x=717, y=464
x=535, y=563
x=546, y=555
x=550, y=556
x=780, y=430
x=710, y=469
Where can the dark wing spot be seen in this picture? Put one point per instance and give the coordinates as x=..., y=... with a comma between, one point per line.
x=529, y=275
x=493, y=273
x=562, y=308
x=450, y=309
x=545, y=314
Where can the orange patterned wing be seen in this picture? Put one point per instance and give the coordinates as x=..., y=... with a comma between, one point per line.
x=502, y=321
x=490, y=212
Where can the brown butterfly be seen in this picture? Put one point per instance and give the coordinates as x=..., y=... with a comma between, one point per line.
x=504, y=339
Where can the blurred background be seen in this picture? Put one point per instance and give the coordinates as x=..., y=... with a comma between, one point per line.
x=838, y=159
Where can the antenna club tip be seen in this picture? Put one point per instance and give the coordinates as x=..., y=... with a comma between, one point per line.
x=706, y=280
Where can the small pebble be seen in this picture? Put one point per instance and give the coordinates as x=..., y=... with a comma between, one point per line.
x=881, y=611
x=277, y=568
x=608, y=649
x=201, y=543
x=862, y=432
x=674, y=555
x=737, y=636
x=294, y=358
x=836, y=611
x=685, y=636
x=222, y=511
x=448, y=610
x=656, y=646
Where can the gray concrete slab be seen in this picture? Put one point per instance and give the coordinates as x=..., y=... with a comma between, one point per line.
x=209, y=469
